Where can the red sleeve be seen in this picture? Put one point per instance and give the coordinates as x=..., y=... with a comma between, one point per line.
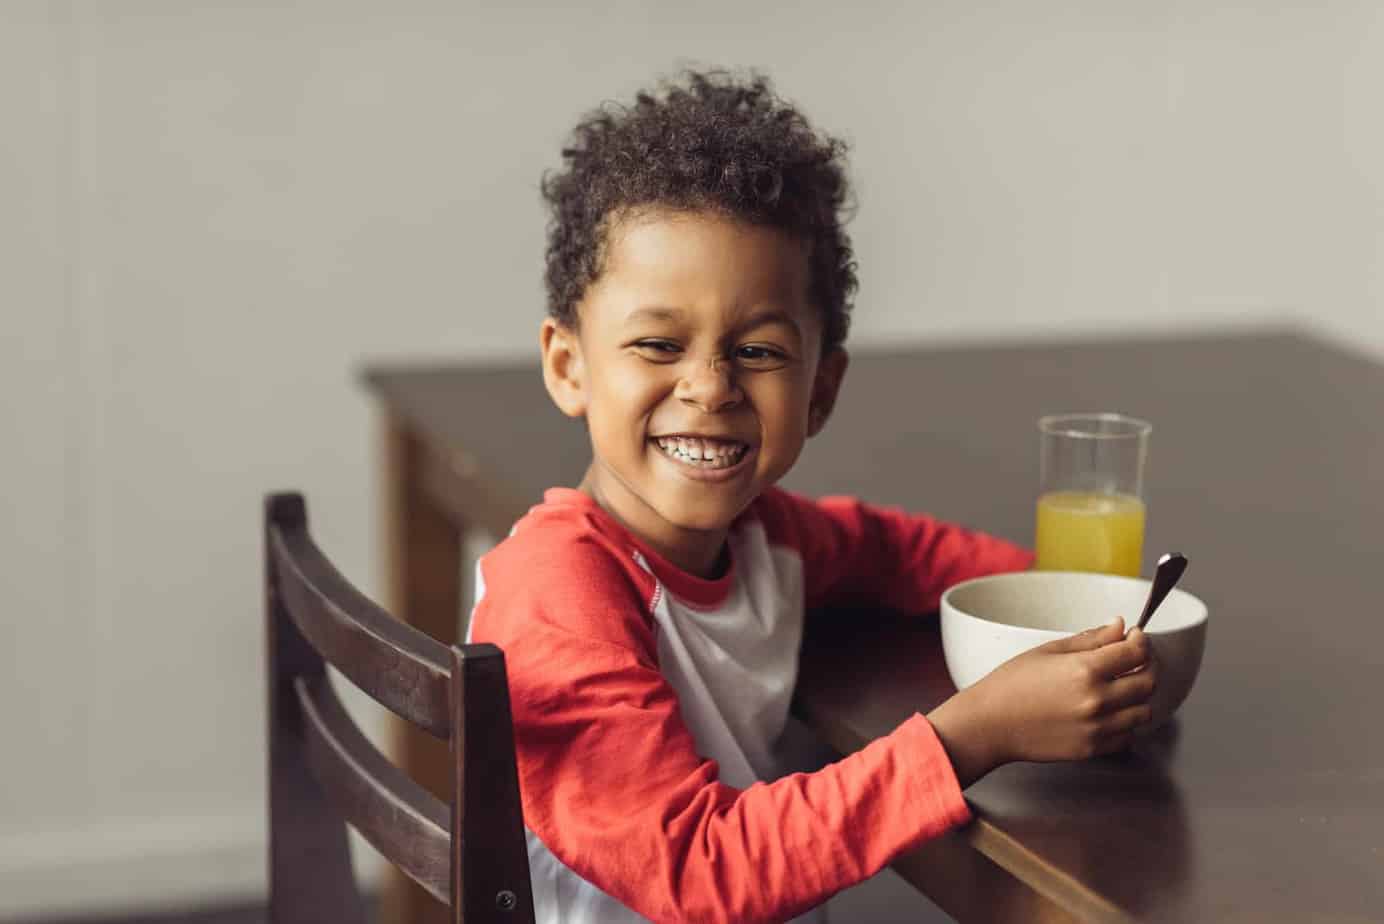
x=612, y=783
x=853, y=551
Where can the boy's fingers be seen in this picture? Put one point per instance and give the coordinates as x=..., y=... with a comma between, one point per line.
x=1130, y=690
x=1122, y=656
x=1090, y=639
x=1126, y=720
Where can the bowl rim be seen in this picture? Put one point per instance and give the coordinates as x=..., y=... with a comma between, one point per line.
x=945, y=604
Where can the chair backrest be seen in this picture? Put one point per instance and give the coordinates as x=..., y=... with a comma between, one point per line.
x=324, y=773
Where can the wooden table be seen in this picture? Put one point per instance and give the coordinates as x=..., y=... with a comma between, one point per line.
x=1263, y=801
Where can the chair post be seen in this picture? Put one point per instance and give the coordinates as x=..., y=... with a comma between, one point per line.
x=490, y=861
x=305, y=835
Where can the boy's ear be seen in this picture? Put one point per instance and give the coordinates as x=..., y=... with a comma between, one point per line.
x=564, y=372
x=831, y=369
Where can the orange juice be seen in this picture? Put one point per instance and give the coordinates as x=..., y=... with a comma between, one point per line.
x=1085, y=531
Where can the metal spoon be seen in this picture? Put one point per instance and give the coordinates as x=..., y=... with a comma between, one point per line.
x=1170, y=568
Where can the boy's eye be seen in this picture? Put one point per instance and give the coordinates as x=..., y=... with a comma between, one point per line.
x=760, y=356
x=659, y=350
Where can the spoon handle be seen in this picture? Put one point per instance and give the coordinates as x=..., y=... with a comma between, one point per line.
x=1170, y=568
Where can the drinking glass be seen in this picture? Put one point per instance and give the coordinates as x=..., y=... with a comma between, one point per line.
x=1091, y=492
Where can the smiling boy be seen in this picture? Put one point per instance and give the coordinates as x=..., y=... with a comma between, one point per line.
x=698, y=365
x=699, y=284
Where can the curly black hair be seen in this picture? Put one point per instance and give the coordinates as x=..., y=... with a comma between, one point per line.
x=708, y=141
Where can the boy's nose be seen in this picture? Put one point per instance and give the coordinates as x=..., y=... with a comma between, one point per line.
x=710, y=386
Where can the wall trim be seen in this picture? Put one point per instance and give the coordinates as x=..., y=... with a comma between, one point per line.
x=117, y=866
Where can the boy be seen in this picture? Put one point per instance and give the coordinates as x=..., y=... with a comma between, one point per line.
x=698, y=281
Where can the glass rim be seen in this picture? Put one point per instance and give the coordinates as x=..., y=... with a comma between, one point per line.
x=1062, y=425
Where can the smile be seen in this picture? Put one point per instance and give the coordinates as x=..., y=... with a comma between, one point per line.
x=703, y=453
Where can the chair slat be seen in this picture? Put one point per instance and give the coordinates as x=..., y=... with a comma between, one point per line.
x=310, y=875
x=404, y=822
x=397, y=665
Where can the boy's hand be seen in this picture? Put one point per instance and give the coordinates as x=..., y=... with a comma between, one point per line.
x=1067, y=700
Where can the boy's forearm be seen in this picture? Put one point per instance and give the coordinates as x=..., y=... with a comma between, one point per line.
x=968, y=736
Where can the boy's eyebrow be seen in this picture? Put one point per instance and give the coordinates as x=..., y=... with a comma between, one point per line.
x=653, y=313
x=770, y=316
x=758, y=319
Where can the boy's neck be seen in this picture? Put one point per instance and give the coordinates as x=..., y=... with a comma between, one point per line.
x=704, y=554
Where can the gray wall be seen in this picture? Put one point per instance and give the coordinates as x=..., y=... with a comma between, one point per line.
x=212, y=213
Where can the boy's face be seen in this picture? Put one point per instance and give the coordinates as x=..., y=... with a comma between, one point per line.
x=697, y=340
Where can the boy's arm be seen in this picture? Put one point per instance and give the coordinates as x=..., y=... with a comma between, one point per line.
x=858, y=552
x=612, y=783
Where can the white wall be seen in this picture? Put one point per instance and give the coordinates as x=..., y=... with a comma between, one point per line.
x=211, y=214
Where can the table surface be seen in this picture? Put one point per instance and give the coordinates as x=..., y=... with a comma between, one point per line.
x=1263, y=800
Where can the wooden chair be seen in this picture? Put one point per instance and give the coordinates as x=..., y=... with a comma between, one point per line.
x=323, y=772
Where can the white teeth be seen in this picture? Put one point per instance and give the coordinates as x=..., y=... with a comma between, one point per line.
x=706, y=453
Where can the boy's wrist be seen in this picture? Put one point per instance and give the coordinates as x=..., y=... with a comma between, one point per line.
x=971, y=743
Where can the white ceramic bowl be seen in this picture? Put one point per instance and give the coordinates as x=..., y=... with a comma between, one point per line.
x=988, y=620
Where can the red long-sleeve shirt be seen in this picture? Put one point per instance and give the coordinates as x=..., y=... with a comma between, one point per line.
x=647, y=702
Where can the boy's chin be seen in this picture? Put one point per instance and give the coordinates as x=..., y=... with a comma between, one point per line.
x=702, y=517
